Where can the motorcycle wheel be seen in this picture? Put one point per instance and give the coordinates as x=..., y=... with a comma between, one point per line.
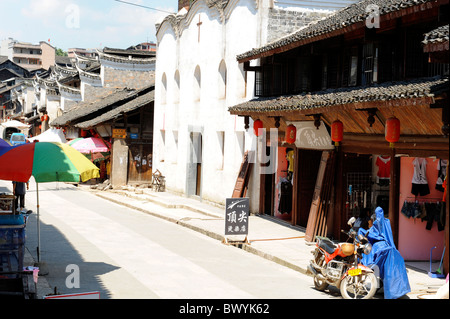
x=320, y=285
x=363, y=286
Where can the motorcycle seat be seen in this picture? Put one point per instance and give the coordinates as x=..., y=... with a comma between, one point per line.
x=326, y=245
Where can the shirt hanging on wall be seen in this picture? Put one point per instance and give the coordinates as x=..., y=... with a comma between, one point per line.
x=384, y=170
x=442, y=168
x=420, y=171
x=285, y=196
x=419, y=180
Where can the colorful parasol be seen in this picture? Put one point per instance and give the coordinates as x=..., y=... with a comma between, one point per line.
x=74, y=140
x=91, y=145
x=4, y=143
x=46, y=162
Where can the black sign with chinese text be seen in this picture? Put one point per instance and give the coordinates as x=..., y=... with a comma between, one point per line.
x=236, y=216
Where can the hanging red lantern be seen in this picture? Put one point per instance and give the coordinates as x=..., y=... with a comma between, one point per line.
x=392, y=131
x=42, y=118
x=291, y=134
x=45, y=117
x=337, y=132
x=258, y=124
x=83, y=133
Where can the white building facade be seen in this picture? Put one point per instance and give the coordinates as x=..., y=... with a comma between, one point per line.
x=198, y=146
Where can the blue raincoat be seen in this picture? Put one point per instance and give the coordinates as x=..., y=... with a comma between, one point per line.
x=386, y=257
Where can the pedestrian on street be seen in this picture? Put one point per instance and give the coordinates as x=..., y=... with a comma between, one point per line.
x=19, y=192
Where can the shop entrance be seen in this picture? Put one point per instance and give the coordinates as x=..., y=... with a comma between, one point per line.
x=308, y=162
x=194, y=165
x=359, y=189
x=267, y=203
x=140, y=164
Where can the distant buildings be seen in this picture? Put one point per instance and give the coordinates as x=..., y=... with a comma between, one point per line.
x=72, y=52
x=29, y=56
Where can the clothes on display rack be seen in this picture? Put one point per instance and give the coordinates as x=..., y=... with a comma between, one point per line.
x=419, y=181
x=290, y=159
x=285, y=196
x=442, y=168
x=429, y=212
x=384, y=170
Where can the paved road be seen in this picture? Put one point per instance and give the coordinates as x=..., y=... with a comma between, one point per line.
x=125, y=253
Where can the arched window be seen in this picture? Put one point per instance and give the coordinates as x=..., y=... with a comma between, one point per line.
x=176, y=89
x=164, y=89
x=222, y=85
x=197, y=84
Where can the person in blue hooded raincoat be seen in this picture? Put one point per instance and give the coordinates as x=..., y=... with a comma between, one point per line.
x=385, y=255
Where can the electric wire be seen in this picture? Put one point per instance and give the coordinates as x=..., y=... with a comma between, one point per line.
x=142, y=6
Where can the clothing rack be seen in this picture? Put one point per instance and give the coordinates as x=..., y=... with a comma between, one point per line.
x=424, y=199
x=359, y=192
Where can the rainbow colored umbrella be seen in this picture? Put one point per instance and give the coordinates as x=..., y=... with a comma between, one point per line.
x=4, y=143
x=46, y=162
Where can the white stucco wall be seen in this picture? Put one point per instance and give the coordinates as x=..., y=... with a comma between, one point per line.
x=220, y=41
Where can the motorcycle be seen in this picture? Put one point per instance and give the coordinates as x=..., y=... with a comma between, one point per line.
x=338, y=265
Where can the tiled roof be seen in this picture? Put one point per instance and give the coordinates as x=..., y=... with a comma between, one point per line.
x=417, y=88
x=84, y=109
x=355, y=13
x=437, y=35
x=117, y=112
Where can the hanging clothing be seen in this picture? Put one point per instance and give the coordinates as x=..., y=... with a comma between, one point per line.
x=384, y=170
x=290, y=159
x=442, y=168
x=419, y=180
x=434, y=215
x=285, y=196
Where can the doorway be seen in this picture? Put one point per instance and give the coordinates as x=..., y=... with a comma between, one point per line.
x=308, y=162
x=268, y=184
x=140, y=164
x=194, y=165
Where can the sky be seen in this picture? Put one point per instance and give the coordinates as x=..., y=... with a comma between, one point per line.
x=85, y=24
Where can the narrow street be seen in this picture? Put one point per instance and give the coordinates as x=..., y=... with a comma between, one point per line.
x=123, y=253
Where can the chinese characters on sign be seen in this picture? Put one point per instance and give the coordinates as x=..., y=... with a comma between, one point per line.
x=119, y=133
x=236, y=216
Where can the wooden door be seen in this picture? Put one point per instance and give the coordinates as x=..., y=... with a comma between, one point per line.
x=240, y=188
x=308, y=166
x=317, y=214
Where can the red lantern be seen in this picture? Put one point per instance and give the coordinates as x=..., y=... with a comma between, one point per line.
x=337, y=132
x=45, y=117
x=42, y=118
x=291, y=134
x=258, y=124
x=392, y=131
x=83, y=133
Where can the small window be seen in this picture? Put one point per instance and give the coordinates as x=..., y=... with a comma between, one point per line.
x=220, y=158
x=175, y=143
x=162, y=146
x=176, y=89
x=197, y=84
x=370, y=64
x=222, y=85
x=163, y=89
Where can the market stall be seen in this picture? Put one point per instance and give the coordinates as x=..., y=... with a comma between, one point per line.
x=15, y=280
